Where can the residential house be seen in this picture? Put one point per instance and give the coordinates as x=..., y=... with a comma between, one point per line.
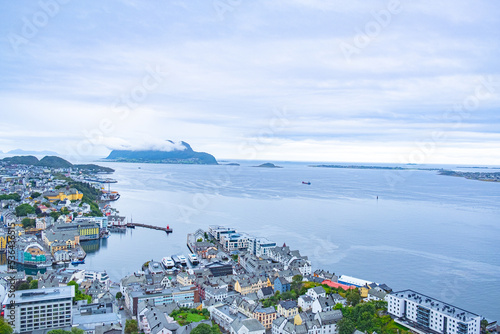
x=265, y=316
x=247, y=326
x=305, y=302
x=323, y=304
x=281, y=285
x=316, y=292
x=287, y=308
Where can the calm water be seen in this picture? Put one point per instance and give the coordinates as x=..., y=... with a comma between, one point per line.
x=436, y=234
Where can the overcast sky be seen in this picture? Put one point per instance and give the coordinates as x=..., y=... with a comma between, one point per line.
x=366, y=81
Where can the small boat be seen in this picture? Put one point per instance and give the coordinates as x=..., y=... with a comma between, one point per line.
x=193, y=259
x=180, y=259
x=167, y=262
x=304, y=182
x=78, y=262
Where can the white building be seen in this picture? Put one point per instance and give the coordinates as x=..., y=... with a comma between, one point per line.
x=216, y=231
x=234, y=241
x=425, y=312
x=349, y=280
x=42, y=309
x=260, y=246
x=100, y=276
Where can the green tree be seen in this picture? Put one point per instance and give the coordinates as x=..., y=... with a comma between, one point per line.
x=35, y=194
x=34, y=284
x=55, y=215
x=353, y=297
x=5, y=327
x=23, y=286
x=79, y=295
x=28, y=223
x=73, y=330
x=24, y=209
x=131, y=326
x=119, y=295
x=484, y=323
x=346, y=326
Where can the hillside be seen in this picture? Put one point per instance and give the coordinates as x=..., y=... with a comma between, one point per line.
x=54, y=162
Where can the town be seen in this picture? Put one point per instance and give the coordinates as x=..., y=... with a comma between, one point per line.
x=230, y=282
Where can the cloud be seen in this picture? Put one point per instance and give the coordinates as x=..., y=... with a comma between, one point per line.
x=150, y=144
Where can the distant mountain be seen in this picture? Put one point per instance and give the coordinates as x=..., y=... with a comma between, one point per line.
x=23, y=152
x=22, y=160
x=176, y=156
x=54, y=162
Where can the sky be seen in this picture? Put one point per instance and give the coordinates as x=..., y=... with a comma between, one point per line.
x=299, y=80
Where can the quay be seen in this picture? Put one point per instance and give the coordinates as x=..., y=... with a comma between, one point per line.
x=167, y=229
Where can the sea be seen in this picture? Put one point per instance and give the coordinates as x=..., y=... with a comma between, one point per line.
x=410, y=229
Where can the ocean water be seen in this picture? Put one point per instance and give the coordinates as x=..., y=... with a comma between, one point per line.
x=438, y=235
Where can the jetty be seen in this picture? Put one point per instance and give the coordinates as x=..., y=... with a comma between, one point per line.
x=167, y=229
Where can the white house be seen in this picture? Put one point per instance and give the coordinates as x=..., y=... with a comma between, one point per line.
x=316, y=292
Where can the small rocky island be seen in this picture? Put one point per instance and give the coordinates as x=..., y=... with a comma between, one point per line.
x=268, y=165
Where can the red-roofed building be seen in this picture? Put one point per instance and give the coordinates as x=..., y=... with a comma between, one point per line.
x=337, y=285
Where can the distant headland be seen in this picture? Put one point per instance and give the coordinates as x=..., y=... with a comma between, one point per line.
x=268, y=165
x=51, y=161
x=185, y=155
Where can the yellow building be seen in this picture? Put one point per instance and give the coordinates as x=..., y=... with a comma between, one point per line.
x=71, y=194
x=265, y=316
x=3, y=242
x=288, y=308
x=248, y=285
x=363, y=291
x=57, y=240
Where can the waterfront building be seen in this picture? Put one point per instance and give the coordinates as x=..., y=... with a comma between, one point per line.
x=217, y=231
x=56, y=240
x=41, y=309
x=28, y=251
x=353, y=281
x=260, y=246
x=425, y=314
x=234, y=242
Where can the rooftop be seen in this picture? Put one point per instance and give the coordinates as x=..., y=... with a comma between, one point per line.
x=47, y=294
x=436, y=305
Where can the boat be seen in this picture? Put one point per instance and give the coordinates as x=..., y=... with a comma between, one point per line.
x=180, y=259
x=193, y=259
x=109, y=196
x=78, y=262
x=167, y=262
x=304, y=182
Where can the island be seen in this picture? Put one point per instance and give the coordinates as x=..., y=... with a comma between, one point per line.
x=479, y=176
x=268, y=165
x=176, y=156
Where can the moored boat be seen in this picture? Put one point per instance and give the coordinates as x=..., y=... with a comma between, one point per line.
x=167, y=262
x=193, y=259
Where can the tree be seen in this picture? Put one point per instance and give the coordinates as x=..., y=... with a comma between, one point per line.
x=34, y=284
x=5, y=327
x=346, y=326
x=131, y=326
x=353, y=297
x=24, y=209
x=35, y=194
x=74, y=330
x=79, y=295
x=119, y=295
x=484, y=324
x=202, y=329
x=23, y=286
x=27, y=223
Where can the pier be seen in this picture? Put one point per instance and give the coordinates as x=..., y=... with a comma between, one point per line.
x=153, y=227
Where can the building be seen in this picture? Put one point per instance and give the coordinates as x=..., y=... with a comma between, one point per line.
x=287, y=308
x=265, y=316
x=254, y=264
x=291, y=259
x=424, y=314
x=71, y=194
x=281, y=285
x=247, y=326
x=43, y=309
x=234, y=241
x=220, y=269
x=353, y=281
x=260, y=246
x=316, y=292
x=305, y=302
x=217, y=231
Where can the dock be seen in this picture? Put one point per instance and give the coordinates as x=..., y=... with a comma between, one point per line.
x=153, y=227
